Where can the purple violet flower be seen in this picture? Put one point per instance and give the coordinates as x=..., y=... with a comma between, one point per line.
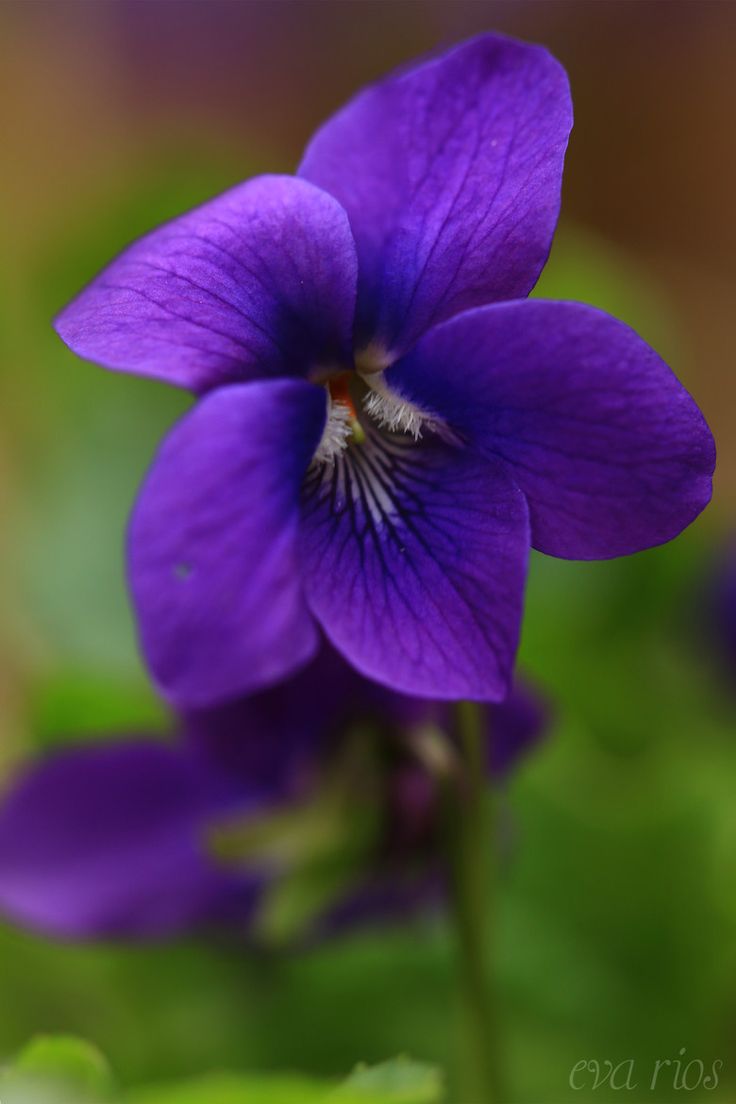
x=111, y=839
x=720, y=608
x=385, y=422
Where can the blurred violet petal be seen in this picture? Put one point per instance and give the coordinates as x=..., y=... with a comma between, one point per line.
x=610, y=450
x=728, y=612
x=407, y=876
x=279, y=738
x=259, y=282
x=450, y=172
x=718, y=605
x=213, y=561
x=107, y=841
x=515, y=726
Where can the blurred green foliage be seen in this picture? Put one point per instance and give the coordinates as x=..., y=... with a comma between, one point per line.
x=66, y=1070
x=57, y=1068
x=617, y=906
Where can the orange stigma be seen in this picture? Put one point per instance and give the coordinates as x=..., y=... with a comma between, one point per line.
x=341, y=396
x=340, y=393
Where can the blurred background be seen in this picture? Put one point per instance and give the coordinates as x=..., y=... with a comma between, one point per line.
x=616, y=931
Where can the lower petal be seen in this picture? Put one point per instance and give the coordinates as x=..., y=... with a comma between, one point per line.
x=414, y=558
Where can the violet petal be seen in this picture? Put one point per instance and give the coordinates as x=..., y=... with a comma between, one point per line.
x=109, y=841
x=414, y=559
x=450, y=172
x=609, y=448
x=259, y=282
x=213, y=563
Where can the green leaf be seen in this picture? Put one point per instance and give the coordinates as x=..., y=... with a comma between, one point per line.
x=398, y=1081
x=55, y=1069
x=228, y=1088
x=66, y=1070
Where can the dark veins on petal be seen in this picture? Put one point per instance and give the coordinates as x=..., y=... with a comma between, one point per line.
x=415, y=560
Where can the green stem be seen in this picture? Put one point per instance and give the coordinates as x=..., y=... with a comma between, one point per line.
x=472, y=864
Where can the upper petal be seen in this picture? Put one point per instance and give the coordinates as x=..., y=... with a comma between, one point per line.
x=109, y=841
x=212, y=555
x=451, y=175
x=414, y=558
x=610, y=450
x=257, y=282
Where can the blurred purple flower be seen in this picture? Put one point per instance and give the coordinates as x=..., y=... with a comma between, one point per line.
x=386, y=422
x=720, y=607
x=728, y=612
x=111, y=840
